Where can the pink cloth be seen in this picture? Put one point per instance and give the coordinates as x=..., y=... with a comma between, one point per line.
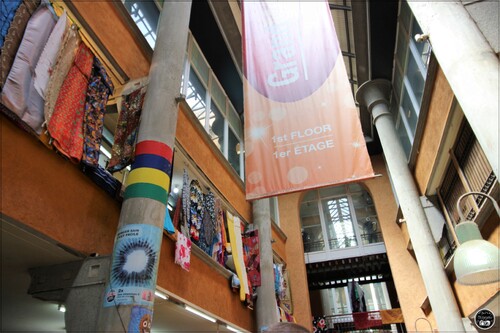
x=19, y=94
x=183, y=251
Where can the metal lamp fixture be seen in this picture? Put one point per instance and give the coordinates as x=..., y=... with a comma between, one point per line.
x=476, y=260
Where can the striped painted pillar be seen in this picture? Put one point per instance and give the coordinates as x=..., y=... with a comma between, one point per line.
x=128, y=302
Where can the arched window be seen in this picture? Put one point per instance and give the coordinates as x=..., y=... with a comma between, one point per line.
x=338, y=217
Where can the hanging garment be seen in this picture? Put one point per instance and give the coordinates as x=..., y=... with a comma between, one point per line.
x=14, y=36
x=64, y=60
x=103, y=179
x=357, y=295
x=45, y=64
x=177, y=213
x=234, y=227
x=252, y=256
x=184, y=223
x=217, y=246
x=19, y=94
x=123, y=150
x=98, y=91
x=168, y=226
x=183, y=251
x=9, y=9
x=66, y=124
x=195, y=210
x=207, y=232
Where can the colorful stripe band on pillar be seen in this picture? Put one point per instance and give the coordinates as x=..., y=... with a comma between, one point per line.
x=151, y=170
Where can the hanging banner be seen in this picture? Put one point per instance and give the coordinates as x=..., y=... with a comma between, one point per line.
x=302, y=129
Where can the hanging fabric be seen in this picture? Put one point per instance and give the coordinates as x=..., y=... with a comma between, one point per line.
x=252, y=256
x=319, y=324
x=167, y=222
x=19, y=94
x=234, y=226
x=98, y=91
x=66, y=124
x=207, y=231
x=9, y=9
x=218, y=245
x=64, y=60
x=183, y=251
x=45, y=65
x=357, y=295
x=177, y=213
x=14, y=36
x=185, y=226
x=127, y=127
x=195, y=210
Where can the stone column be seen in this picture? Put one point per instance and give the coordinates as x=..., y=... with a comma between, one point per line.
x=266, y=300
x=129, y=295
x=375, y=96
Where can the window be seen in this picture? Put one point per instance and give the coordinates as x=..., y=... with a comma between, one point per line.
x=409, y=76
x=468, y=170
x=344, y=216
x=146, y=15
x=274, y=210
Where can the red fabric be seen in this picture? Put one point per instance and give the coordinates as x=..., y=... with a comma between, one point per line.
x=66, y=124
x=364, y=320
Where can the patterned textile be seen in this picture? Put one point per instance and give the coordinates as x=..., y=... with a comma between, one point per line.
x=126, y=130
x=195, y=210
x=184, y=223
x=207, y=231
x=66, y=124
x=19, y=94
x=103, y=179
x=183, y=251
x=14, y=36
x=64, y=60
x=98, y=91
x=8, y=10
x=219, y=245
x=319, y=325
x=252, y=256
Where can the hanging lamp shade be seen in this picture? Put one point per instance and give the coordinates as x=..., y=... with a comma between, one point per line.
x=476, y=260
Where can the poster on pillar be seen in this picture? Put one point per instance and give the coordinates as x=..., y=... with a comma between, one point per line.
x=302, y=128
x=134, y=266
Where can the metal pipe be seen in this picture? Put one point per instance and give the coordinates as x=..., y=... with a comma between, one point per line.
x=375, y=95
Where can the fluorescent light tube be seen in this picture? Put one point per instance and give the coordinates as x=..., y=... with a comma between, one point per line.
x=201, y=314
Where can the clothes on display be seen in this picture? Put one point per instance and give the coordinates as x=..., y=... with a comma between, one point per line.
x=19, y=94
x=9, y=9
x=99, y=89
x=183, y=251
x=127, y=127
x=234, y=227
x=252, y=256
x=15, y=32
x=66, y=124
x=195, y=210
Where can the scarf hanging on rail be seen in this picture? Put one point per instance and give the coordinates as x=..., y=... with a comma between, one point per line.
x=127, y=127
x=14, y=36
x=98, y=91
x=207, y=231
x=19, y=94
x=66, y=124
x=234, y=227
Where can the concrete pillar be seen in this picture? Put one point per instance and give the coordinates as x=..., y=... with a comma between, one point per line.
x=129, y=295
x=266, y=300
x=469, y=64
x=375, y=96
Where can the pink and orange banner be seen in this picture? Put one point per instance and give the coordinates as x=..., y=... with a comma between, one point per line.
x=302, y=129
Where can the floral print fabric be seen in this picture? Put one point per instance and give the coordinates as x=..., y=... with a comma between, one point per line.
x=195, y=210
x=126, y=130
x=183, y=251
x=98, y=91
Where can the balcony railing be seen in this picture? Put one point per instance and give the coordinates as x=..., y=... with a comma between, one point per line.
x=383, y=321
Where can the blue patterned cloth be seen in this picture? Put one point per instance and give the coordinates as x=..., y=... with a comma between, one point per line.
x=8, y=10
